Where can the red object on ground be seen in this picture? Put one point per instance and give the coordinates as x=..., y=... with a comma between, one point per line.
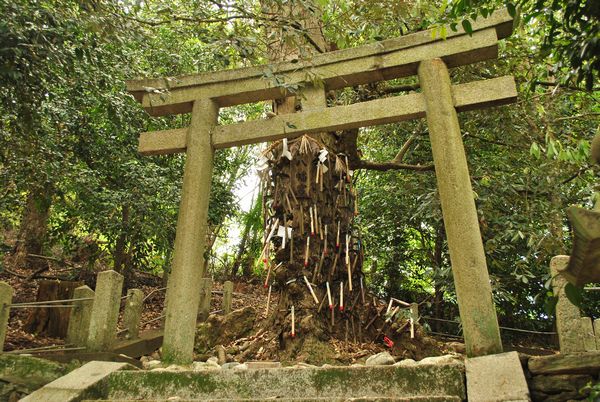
x=388, y=342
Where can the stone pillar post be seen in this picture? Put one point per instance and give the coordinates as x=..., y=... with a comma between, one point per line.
x=105, y=311
x=188, y=257
x=6, y=294
x=471, y=279
x=205, y=298
x=589, y=339
x=227, y=296
x=79, y=319
x=568, y=323
x=597, y=332
x=133, y=313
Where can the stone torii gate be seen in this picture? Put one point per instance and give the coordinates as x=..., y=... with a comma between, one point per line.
x=439, y=101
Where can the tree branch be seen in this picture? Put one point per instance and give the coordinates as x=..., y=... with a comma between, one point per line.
x=400, y=156
x=576, y=116
x=398, y=88
x=385, y=166
x=558, y=84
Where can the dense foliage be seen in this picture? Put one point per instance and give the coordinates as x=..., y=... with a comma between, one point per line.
x=68, y=135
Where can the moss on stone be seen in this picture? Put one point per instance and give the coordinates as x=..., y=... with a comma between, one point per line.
x=323, y=378
x=30, y=371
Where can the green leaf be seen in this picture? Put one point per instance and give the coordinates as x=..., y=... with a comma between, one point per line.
x=574, y=294
x=290, y=125
x=550, y=305
x=512, y=10
x=534, y=150
x=466, y=24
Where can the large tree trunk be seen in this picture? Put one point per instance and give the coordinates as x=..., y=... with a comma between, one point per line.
x=53, y=321
x=314, y=198
x=240, y=252
x=34, y=226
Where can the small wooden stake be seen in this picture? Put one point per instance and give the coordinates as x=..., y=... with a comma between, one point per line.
x=342, y=296
x=325, y=241
x=291, y=249
x=315, y=216
x=348, y=264
x=362, y=291
x=321, y=178
x=312, y=292
x=301, y=220
x=332, y=270
x=389, y=307
x=337, y=239
x=317, y=270
x=312, y=223
x=268, y=300
x=329, y=296
x=307, y=251
x=317, y=175
x=394, y=311
x=346, y=336
x=268, y=274
x=320, y=228
x=332, y=317
x=293, y=323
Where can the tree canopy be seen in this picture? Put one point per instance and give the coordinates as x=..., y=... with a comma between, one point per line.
x=68, y=138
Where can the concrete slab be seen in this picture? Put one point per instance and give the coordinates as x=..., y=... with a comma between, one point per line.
x=78, y=384
x=496, y=377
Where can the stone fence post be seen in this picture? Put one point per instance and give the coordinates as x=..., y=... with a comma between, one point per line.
x=133, y=313
x=79, y=319
x=105, y=311
x=227, y=296
x=206, y=285
x=6, y=294
x=575, y=333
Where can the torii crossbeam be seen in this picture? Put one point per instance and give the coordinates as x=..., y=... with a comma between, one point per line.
x=439, y=101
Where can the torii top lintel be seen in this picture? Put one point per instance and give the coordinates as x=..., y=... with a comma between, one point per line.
x=385, y=60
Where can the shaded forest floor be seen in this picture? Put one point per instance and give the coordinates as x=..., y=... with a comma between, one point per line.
x=246, y=294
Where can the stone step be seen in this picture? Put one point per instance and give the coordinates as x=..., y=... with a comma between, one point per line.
x=422, y=382
x=357, y=399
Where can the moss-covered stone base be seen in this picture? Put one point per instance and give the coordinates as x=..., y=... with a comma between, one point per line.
x=20, y=375
x=290, y=383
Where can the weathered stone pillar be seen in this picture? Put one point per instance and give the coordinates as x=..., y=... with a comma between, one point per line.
x=79, y=319
x=206, y=285
x=227, y=296
x=471, y=279
x=133, y=313
x=105, y=311
x=6, y=294
x=568, y=323
x=190, y=240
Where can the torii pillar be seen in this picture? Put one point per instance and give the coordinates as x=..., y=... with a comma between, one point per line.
x=467, y=256
x=182, y=297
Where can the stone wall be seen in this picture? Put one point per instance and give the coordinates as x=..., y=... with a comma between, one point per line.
x=561, y=377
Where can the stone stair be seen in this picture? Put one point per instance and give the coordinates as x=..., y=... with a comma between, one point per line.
x=422, y=382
